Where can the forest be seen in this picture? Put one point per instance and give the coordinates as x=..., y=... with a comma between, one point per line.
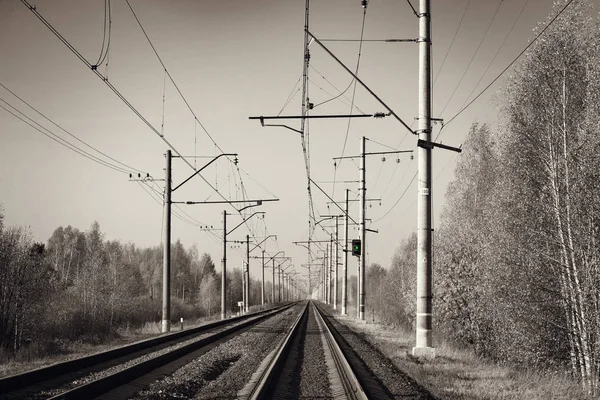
x=79, y=287
x=516, y=255
x=516, y=252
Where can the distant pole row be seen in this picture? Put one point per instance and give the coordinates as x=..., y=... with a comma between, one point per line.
x=166, y=292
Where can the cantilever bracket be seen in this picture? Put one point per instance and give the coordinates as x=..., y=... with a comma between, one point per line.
x=430, y=145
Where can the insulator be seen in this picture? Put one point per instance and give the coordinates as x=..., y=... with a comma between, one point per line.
x=397, y=160
x=383, y=159
x=363, y=3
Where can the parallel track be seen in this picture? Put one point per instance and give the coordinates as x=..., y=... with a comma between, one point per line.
x=30, y=383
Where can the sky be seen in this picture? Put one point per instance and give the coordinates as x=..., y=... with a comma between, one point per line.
x=231, y=60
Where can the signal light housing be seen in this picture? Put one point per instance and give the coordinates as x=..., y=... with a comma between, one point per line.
x=356, y=247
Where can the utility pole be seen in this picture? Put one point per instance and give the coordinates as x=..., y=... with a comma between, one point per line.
x=327, y=270
x=323, y=277
x=279, y=286
x=363, y=236
x=345, y=282
x=331, y=268
x=262, y=280
x=335, y=270
x=243, y=287
x=166, y=300
x=424, y=339
x=224, y=269
x=224, y=276
x=247, y=285
x=273, y=286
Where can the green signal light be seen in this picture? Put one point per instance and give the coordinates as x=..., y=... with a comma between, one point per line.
x=356, y=247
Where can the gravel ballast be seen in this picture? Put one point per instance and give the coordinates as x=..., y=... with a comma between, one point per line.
x=223, y=371
x=399, y=384
x=314, y=379
x=111, y=370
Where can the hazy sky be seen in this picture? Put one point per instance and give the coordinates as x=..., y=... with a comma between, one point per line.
x=233, y=59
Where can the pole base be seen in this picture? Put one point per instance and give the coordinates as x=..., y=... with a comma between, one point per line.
x=166, y=326
x=427, y=353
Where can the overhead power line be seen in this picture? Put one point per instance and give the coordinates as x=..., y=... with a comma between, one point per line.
x=472, y=57
x=128, y=167
x=451, y=43
x=496, y=54
x=354, y=80
x=510, y=64
x=105, y=38
x=196, y=119
x=51, y=135
x=120, y=95
x=171, y=78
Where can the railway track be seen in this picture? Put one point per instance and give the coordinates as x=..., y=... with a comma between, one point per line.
x=308, y=355
x=280, y=375
x=146, y=361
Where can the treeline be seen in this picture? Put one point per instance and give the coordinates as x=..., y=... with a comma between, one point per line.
x=80, y=287
x=517, y=255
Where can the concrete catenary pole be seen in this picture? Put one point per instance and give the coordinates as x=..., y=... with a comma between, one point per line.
x=273, y=285
x=166, y=292
x=262, y=280
x=279, y=284
x=323, y=298
x=331, y=267
x=224, y=269
x=363, y=236
x=335, y=265
x=247, y=286
x=243, y=285
x=424, y=340
x=345, y=281
x=327, y=272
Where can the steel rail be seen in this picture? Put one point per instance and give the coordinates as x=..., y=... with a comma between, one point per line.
x=262, y=380
x=371, y=386
x=350, y=383
x=19, y=385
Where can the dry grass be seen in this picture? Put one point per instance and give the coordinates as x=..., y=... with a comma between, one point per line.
x=33, y=358
x=460, y=375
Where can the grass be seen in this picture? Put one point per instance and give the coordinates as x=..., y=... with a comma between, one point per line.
x=458, y=374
